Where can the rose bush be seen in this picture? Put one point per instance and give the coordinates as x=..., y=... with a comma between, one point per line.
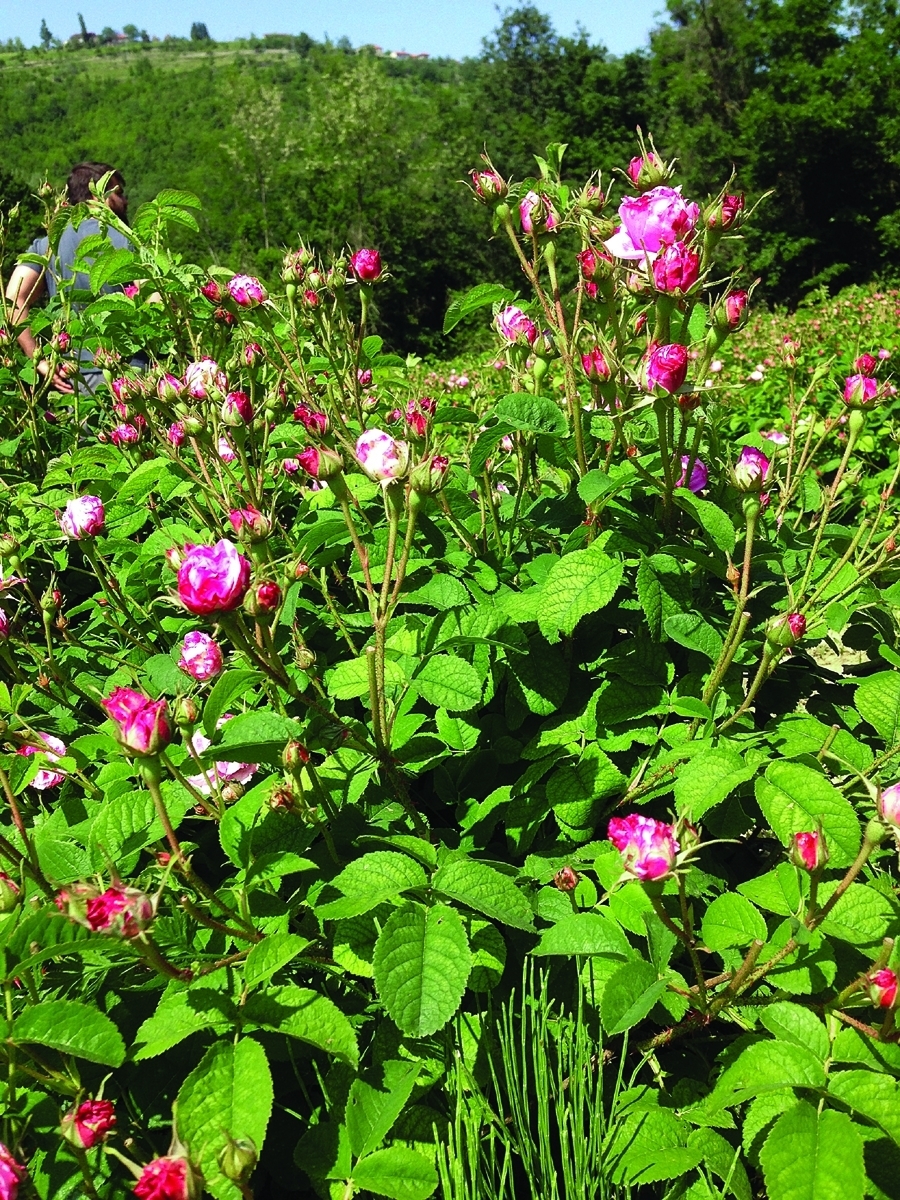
x=345, y=698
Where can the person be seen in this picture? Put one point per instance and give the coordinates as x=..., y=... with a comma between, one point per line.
x=28, y=282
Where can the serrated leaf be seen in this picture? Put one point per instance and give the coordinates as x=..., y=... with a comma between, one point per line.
x=533, y=414
x=449, y=682
x=584, y=933
x=630, y=993
x=878, y=702
x=870, y=1094
x=458, y=733
x=691, y=631
x=764, y=1067
x=862, y=915
x=178, y=1015
x=375, y=1102
x=422, y=962
x=228, y=687
x=650, y=598
x=812, y=1155
x=71, y=1028
x=368, y=881
x=256, y=737
x=715, y=523
x=793, y=798
x=793, y=1023
x=270, y=955
x=731, y=920
x=306, y=1015
x=486, y=890
x=576, y=791
x=228, y=1094
x=398, y=1173
x=441, y=591
x=708, y=779
x=481, y=295
x=579, y=583
x=349, y=680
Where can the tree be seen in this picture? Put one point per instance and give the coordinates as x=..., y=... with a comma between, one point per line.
x=131, y=32
x=47, y=38
x=199, y=32
x=107, y=35
x=260, y=142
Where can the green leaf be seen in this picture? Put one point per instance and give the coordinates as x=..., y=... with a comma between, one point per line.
x=399, y=1173
x=164, y=673
x=422, y=961
x=878, y=702
x=870, y=1094
x=584, y=933
x=488, y=955
x=458, y=733
x=229, y=1094
x=691, y=631
x=228, y=687
x=270, y=955
x=441, y=591
x=71, y=1028
x=256, y=737
x=715, y=523
x=178, y=1015
x=375, y=1102
x=731, y=920
x=797, y=1025
x=765, y=1067
x=630, y=993
x=349, y=680
x=579, y=583
x=447, y=681
x=533, y=414
x=481, y=295
x=650, y=597
x=707, y=779
x=794, y=798
x=812, y=1155
x=304, y=1014
x=486, y=890
x=369, y=880
x=862, y=915
x=577, y=791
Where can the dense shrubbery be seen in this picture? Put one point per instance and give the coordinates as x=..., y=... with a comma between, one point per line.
x=470, y=780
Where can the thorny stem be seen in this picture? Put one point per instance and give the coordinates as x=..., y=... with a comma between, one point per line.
x=34, y=865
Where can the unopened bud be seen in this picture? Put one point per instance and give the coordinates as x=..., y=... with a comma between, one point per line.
x=295, y=755
x=232, y=792
x=281, y=799
x=238, y=1159
x=566, y=879
x=10, y=894
x=185, y=712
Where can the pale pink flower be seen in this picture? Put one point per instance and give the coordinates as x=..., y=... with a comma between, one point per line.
x=83, y=517
x=219, y=772
x=655, y=219
x=246, y=291
x=201, y=656
x=382, y=457
x=54, y=749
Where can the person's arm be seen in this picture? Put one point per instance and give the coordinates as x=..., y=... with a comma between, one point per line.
x=26, y=285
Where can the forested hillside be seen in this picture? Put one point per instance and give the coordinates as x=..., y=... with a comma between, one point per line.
x=802, y=96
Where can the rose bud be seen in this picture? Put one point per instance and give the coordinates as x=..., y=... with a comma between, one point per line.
x=201, y=657
x=213, y=579
x=699, y=475
x=175, y=434
x=267, y=595
x=364, y=377
x=666, y=368
x=311, y=298
x=750, y=470
x=860, y=391
x=119, y=910
x=12, y=1173
x=785, y=631
x=203, y=377
x=294, y=756
x=169, y=1178
x=125, y=389
x=428, y=476
x=251, y=352
x=646, y=171
x=236, y=409
x=10, y=894
x=537, y=214
x=595, y=365
x=889, y=805
x=169, y=388
x=488, y=185
x=515, y=326
x=142, y=724
x=648, y=847
x=566, y=879
x=882, y=988
x=366, y=265
x=730, y=313
x=237, y=1159
x=809, y=851
x=246, y=291
x=320, y=462
x=866, y=364
x=290, y=466
x=212, y=291
x=725, y=213
x=89, y=1124
x=54, y=750
x=315, y=423
x=250, y=523
x=4, y=626
x=125, y=434
x=83, y=517
x=676, y=268
x=381, y=456
x=61, y=341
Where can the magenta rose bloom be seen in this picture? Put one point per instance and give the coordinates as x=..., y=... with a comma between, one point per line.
x=595, y=365
x=655, y=219
x=83, y=517
x=515, y=326
x=12, y=1173
x=676, y=268
x=699, y=474
x=809, y=851
x=860, y=391
x=382, y=457
x=121, y=910
x=882, y=988
x=648, y=847
x=866, y=364
x=167, y=1178
x=537, y=214
x=237, y=409
x=666, y=367
x=889, y=805
x=54, y=749
x=201, y=657
x=366, y=265
x=143, y=724
x=751, y=469
x=90, y=1123
x=213, y=579
x=246, y=291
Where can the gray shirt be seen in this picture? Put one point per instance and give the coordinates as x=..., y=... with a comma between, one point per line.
x=60, y=267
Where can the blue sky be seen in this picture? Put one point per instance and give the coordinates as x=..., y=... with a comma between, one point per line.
x=451, y=27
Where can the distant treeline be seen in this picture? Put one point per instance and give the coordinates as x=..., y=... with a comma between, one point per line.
x=336, y=146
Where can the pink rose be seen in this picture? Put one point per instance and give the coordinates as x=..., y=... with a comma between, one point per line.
x=169, y=388
x=666, y=367
x=213, y=579
x=176, y=433
x=648, y=847
x=515, y=326
x=676, y=268
x=537, y=214
x=488, y=185
x=319, y=462
x=860, y=391
x=751, y=469
x=90, y=1123
x=125, y=434
x=83, y=517
x=143, y=724
x=121, y=910
x=381, y=456
x=246, y=291
x=866, y=364
x=202, y=377
x=54, y=750
x=12, y=1173
x=735, y=306
x=219, y=772
x=882, y=988
x=809, y=851
x=249, y=521
x=237, y=409
x=699, y=474
x=650, y=221
x=889, y=805
x=315, y=423
x=366, y=265
x=167, y=1178
x=595, y=365
x=201, y=657
x=252, y=351
x=212, y=291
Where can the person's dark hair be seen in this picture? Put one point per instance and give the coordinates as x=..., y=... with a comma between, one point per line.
x=82, y=175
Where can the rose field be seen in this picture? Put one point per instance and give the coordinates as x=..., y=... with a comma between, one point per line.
x=476, y=779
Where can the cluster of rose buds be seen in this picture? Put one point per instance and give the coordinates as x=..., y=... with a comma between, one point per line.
x=123, y=911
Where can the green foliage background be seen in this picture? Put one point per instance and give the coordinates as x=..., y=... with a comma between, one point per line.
x=285, y=136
